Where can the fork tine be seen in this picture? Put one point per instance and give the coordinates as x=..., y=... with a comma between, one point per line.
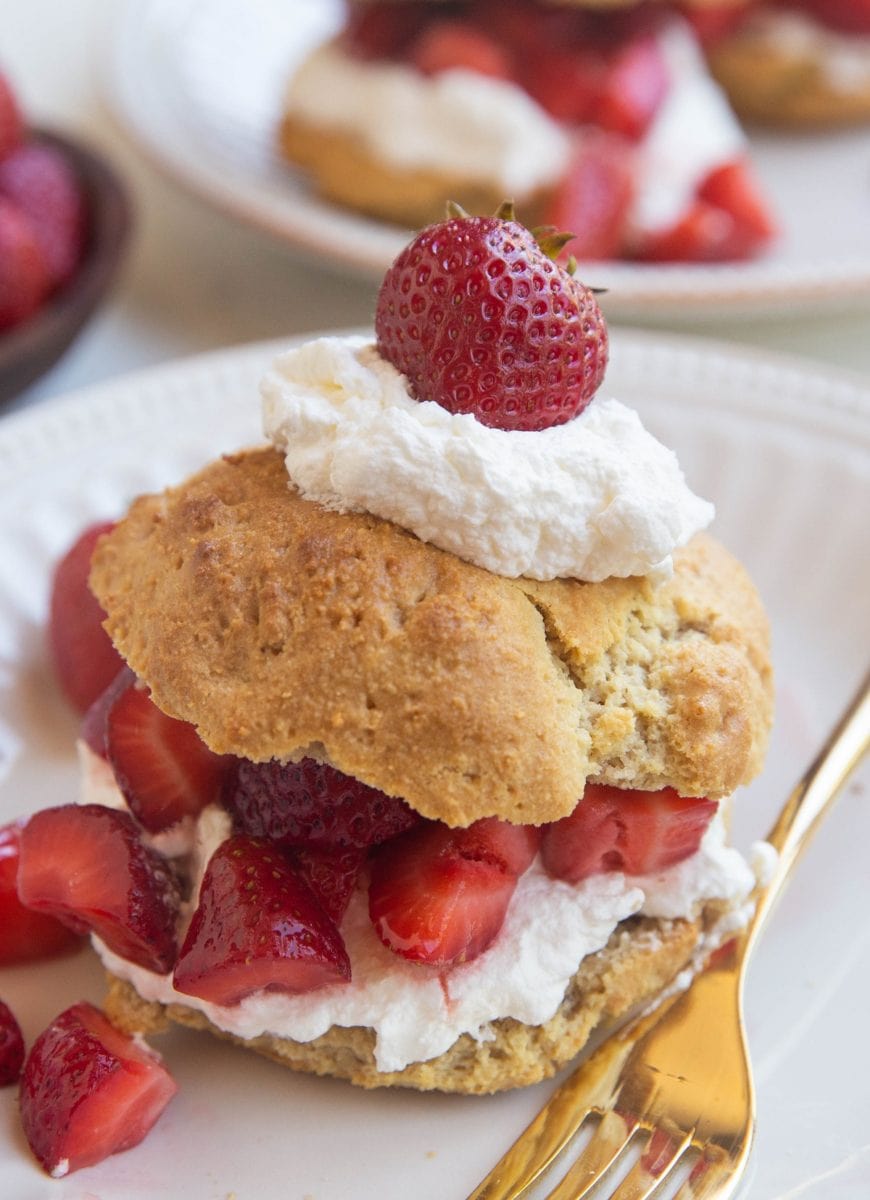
x=591, y=1088
x=610, y=1139
x=715, y=1176
x=660, y=1156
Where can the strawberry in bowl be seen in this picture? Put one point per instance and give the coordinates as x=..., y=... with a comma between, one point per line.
x=64, y=223
x=431, y=707
x=604, y=122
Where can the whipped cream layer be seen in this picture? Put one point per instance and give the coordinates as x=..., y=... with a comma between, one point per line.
x=418, y=1012
x=842, y=58
x=593, y=498
x=458, y=122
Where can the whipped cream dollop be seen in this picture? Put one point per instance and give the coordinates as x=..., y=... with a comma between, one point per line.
x=457, y=122
x=418, y=1012
x=593, y=498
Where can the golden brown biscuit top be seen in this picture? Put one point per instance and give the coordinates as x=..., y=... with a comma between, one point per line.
x=280, y=628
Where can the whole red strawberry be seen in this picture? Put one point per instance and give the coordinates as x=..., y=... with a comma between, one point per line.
x=481, y=320
x=24, y=275
x=11, y=121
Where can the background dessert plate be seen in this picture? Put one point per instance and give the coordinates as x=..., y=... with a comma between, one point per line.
x=784, y=451
x=198, y=84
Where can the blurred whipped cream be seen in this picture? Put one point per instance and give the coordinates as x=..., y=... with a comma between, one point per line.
x=693, y=133
x=459, y=123
x=594, y=498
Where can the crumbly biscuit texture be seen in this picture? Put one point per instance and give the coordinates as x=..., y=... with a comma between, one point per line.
x=281, y=629
x=778, y=86
x=641, y=957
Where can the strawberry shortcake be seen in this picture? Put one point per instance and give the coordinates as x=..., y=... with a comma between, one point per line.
x=605, y=122
x=418, y=768
x=802, y=63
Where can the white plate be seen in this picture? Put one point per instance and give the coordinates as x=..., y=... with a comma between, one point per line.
x=785, y=452
x=198, y=84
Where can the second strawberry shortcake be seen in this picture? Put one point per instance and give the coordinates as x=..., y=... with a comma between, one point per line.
x=418, y=770
x=604, y=122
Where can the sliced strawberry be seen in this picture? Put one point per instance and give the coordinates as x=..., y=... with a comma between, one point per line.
x=11, y=1047
x=455, y=45
x=11, y=121
x=85, y=660
x=331, y=873
x=89, y=1091
x=594, y=197
x=25, y=935
x=732, y=188
x=43, y=186
x=257, y=926
x=635, y=84
x=632, y=831
x=94, y=727
x=382, y=29
x=87, y=866
x=440, y=895
x=162, y=765
x=24, y=277
x=310, y=803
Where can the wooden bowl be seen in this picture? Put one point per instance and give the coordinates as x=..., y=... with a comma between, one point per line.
x=28, y=350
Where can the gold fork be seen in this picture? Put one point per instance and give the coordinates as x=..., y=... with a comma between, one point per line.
x=680, y=1074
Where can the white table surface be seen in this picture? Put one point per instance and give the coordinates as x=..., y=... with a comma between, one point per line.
x=194, y=280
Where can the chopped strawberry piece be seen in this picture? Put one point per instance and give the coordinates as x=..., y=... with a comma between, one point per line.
x=456, y=45
x=530, y=29
x=382, y=29
x=732, y=188
x=713, y=24
x=634, y=86
x=704, y=233
x=594, y=197
x=257, y=926
x=331, y=873
x=565, y=82
x=162, y=765
x=25, y=935
x=728, y=221
x=632, y=831
x=89, y=1091
x=311, y=803
x=85, y=660
x=440, y=895
x=11, y=121
x=87, y=866
x=42, y=185
x=11, y=1047
x=24, y=277
x=94, y=727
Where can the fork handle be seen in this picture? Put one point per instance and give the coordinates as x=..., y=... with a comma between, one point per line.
x=811, y=799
